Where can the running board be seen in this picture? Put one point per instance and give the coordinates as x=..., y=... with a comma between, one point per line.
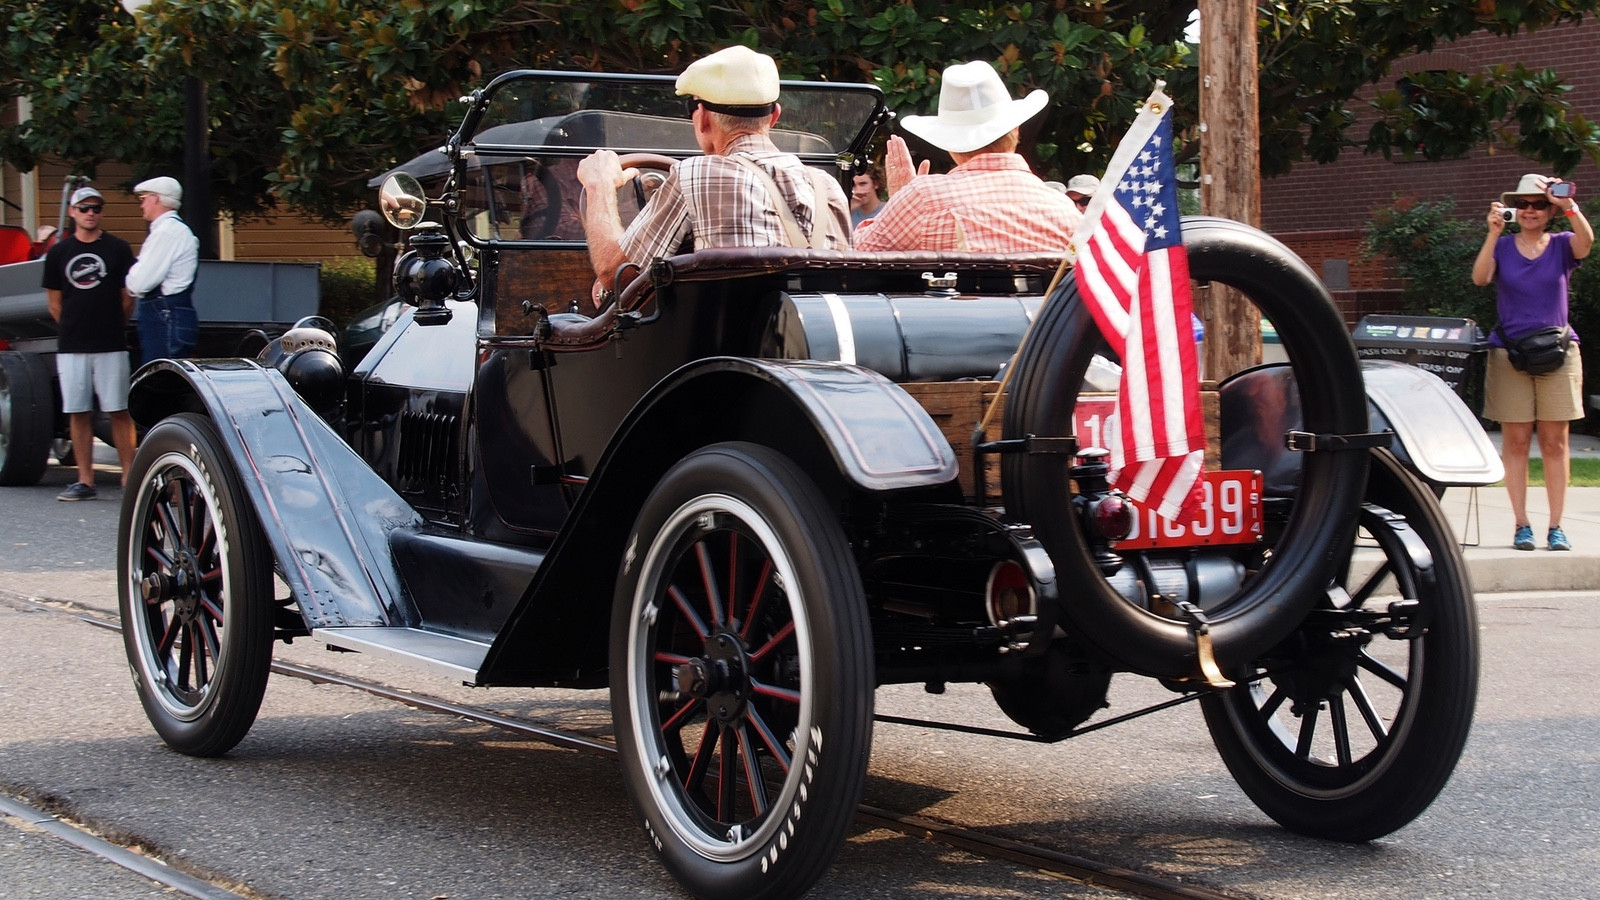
x=444, y=654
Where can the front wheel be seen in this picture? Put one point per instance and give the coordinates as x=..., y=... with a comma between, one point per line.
x=195, y=589
x=1350, y=728
x=741, y=683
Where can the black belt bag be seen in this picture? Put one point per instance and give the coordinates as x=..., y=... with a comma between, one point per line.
x=1540, y=352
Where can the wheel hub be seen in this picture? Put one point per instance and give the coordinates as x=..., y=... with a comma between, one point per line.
x=1322, y=673
x=720, y=677
x=181, y=586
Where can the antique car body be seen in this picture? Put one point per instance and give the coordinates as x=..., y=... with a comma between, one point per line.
x=761, y=482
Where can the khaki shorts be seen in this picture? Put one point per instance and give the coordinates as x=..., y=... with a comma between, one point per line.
x=1512, y=396
x=84, y=376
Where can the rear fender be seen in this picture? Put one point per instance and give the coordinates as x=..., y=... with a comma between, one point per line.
x=849, y=428
x=327, y=515
x=1436, y=434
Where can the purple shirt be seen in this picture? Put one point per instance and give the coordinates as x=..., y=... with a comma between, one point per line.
x=1531, y=293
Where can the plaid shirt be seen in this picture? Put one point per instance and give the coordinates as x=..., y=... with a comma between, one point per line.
x=724, y=205
x=990, y=204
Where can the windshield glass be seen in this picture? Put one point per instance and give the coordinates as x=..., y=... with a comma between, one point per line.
x=568, y=113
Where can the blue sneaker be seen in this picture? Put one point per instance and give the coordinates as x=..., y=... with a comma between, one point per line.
x=1524, y=538
x=77, y=491
x=1558, y=539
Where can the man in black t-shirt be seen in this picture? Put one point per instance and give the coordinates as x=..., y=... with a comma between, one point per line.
x=84, y=277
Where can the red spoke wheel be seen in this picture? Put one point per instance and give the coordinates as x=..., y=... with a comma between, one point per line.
x=195, y=589
x=741, y=674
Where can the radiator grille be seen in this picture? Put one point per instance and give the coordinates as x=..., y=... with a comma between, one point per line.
x=427, y=451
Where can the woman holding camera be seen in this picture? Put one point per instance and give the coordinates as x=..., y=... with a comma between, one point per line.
x=1530, y=270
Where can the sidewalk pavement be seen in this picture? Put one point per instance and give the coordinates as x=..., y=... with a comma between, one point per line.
x=1482, y=520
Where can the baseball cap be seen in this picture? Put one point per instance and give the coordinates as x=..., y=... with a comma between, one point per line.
x=736, y=80
x=164, y=187
x=1083, y=184
x=84, y=193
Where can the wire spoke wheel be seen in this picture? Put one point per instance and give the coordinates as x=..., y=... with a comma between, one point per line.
x=741, y=675
x=196, y=590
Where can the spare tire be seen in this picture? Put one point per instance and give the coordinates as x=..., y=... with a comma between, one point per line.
x=1317, y=536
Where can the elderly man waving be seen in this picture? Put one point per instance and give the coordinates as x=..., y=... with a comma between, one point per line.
x=991, y=202
x=744, y=192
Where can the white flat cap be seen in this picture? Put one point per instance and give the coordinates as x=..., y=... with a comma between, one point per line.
x=735, y=80
x=167, y=189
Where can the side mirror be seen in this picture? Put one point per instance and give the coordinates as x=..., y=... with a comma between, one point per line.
x=401, y=201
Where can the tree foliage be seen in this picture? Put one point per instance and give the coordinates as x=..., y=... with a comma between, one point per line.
x=1432, y=250
x=309, y=98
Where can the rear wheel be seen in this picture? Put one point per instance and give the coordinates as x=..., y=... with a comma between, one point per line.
x=1348, y=730
x=195, y=588
x=741, y=681
x=27, y=417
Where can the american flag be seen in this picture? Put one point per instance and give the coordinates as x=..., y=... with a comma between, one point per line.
x=1132, y=270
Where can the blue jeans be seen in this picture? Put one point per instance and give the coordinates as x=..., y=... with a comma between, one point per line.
x=168, y=326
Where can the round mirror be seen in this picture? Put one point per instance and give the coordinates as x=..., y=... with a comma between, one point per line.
x=401, y=201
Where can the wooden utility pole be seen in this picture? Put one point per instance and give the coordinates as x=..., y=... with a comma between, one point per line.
x=1230, y=170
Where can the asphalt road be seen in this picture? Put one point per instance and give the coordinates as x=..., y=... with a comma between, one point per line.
x=337, y=794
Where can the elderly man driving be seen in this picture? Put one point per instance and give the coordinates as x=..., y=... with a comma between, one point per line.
x=744, y=192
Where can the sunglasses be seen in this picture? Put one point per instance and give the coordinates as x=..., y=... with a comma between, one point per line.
x=90, y=208
x=1531, y=204
x=1083, y=202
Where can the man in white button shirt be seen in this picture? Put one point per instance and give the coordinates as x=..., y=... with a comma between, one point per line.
x=163, y=276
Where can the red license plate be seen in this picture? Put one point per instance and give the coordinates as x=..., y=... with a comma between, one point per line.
x=1230, y=508
x=1229, y=513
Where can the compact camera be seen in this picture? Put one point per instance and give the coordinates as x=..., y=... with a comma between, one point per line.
x=1563, y=189
x=1510, y=215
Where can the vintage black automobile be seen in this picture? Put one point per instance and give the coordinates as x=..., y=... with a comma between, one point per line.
x=757, y=485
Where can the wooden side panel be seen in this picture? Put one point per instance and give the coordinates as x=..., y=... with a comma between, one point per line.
x=550, y=278
x=957, y=407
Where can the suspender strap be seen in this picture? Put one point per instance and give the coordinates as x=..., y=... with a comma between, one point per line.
x=791, y=227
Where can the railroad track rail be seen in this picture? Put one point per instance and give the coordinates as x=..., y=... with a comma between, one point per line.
x=1084, y=870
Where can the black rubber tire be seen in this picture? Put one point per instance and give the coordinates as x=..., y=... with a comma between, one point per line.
x=1374, y=785
x=27, y=417
x=788, y=701
x=1050, y=371
x=195, y=589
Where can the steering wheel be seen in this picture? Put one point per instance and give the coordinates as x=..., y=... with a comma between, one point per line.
x=631, y=197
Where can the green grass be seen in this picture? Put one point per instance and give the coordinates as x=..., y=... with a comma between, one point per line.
x=1585, y=473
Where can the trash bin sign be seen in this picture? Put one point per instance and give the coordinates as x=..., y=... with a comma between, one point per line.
x=1450, y=348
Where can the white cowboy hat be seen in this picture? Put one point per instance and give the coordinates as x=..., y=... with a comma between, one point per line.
x=975, y=109
x=736, y=80
x=1530, y=186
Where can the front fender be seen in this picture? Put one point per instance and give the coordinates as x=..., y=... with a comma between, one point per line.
x=849, y=428
x=327, y=515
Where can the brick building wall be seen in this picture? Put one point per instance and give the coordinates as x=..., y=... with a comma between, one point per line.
x=1340, y=196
